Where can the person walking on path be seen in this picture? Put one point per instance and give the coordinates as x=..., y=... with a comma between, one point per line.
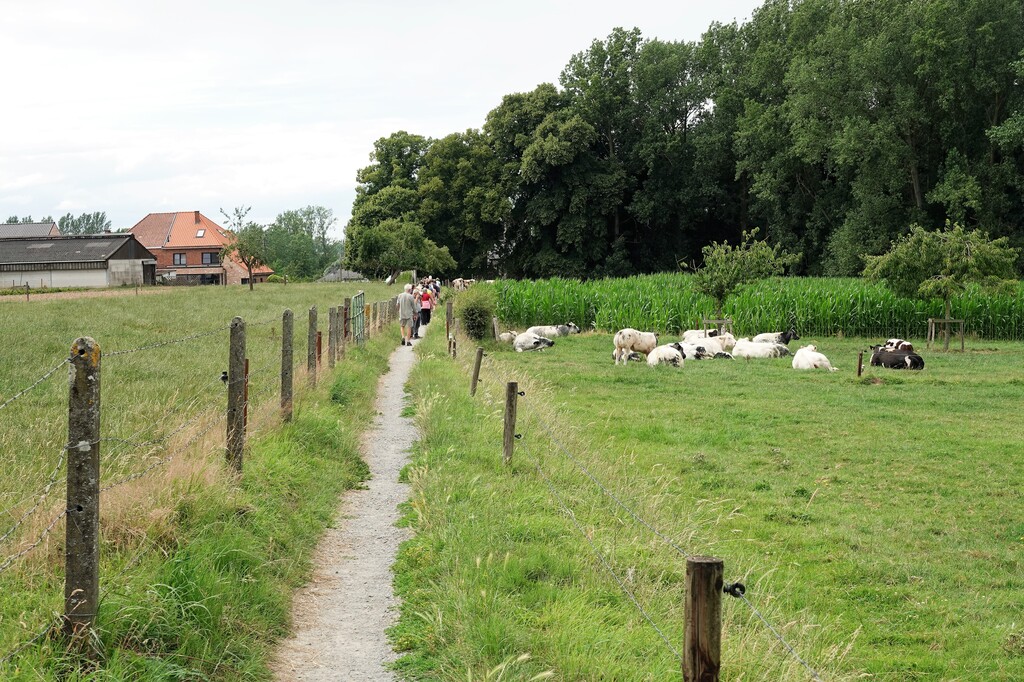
x=417, y=308
x=427, y=304
x=405, y=311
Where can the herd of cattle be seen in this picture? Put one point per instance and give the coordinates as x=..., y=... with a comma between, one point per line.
x=697, y=344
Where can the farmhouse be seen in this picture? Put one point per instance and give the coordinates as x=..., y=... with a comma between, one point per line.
x=188, y=248
x=104, y=260
x=11, y=230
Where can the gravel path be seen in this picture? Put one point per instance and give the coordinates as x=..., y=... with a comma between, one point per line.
x=339, y=618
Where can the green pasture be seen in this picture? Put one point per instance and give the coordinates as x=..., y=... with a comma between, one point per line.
x=197, y=567
x=877, y=522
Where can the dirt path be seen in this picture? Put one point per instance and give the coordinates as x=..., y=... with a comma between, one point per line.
x=340, y=617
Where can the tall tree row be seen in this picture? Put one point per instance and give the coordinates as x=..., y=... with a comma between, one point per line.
x=832, y=125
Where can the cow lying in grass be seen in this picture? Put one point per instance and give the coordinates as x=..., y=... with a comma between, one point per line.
x=777, y=337
x=808, y=357
x=669, y=354
x=745, y=348
x=895, y=359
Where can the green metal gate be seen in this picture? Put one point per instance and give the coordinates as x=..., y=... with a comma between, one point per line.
x=358, y=317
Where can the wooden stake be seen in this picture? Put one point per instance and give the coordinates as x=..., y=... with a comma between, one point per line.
x=511, y=398
x=702, y=645
x=236, y=394
x=476, y=370
x=287, y=338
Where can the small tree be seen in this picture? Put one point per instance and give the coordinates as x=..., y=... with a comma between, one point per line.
x=726, y=268
x=928, y=265
x=249, y=247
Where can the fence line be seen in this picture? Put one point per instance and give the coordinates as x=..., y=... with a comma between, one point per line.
x=737, y=590
x=34, y=384
x=132, y=446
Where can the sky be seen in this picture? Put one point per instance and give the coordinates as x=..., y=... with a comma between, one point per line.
x=141, y=107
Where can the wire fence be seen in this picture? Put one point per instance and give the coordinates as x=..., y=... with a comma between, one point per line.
x=185, y=424
x=737, y=590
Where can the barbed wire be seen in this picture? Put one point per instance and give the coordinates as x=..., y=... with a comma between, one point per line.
x=42, y=497
x=601, y=557
x=168, y=342
x=163, y=460
x=42, y=536
x=34, y=384
x=26, y=644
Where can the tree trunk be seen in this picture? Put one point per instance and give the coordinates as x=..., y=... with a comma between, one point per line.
x=249, y=268
x=945, y=345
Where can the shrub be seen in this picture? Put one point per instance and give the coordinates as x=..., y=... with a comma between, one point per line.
x=475, y=308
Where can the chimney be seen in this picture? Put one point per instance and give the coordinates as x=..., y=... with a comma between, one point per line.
x=197, y=217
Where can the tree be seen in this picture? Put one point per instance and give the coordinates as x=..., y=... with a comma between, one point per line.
x=726, y=267
x=14, y=220
x=298, y=243
x=928, y=265
x=87, y=223
x=248, y=246
x=394, y=245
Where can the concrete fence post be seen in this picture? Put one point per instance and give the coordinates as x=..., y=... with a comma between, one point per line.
x=82, y=524
x=287, y=339
x=511, y=398
x=236, y=394
x=702, y=639
x=311, y=346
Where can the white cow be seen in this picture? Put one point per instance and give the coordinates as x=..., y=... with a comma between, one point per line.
x=808, y=357
x=745, y=348
x=527, y=341
x=669, y=354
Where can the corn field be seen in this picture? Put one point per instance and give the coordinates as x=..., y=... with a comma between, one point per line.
x=816, y=306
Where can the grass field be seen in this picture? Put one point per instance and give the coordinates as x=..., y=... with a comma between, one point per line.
x=878, y=523
x=196, y=565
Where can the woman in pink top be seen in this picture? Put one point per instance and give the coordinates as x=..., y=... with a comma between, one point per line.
x=427, y=304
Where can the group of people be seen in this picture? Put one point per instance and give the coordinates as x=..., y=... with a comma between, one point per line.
x=414, y=307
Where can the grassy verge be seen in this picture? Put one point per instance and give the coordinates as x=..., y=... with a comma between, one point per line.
x=875, y=521
x=197, y=578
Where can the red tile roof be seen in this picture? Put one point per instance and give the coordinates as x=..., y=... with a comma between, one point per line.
x=182, y=230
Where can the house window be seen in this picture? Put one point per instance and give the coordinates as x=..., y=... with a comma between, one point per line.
x=179, y=259
x=200, y=233
x=211, y=258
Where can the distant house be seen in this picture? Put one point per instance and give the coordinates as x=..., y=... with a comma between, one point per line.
x=96, y=260
x=12, y=230
x=188, y=248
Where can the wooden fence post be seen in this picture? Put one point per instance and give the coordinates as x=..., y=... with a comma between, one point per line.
x=346, y=319
x=476, y=370
x=82, y=547
x=319, y=348
x=311, y=346
x=511, y=398
x=332, y=336
x=366, y=322
x=702, y=643
x=860, y=363
x=287, y=338
x=236, y=394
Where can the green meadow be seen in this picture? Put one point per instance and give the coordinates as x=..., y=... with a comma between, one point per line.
x=877, y=522
x=197, y=564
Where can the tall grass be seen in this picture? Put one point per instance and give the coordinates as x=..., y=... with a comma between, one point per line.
x=818, y=306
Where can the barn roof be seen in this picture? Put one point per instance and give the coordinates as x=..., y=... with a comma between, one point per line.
x=78, y=249
x=12, y=230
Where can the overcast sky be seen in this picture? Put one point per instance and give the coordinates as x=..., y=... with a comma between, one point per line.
x=139, y=107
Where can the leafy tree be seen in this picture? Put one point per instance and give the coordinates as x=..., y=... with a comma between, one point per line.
x=248, y=246
x=940, y=264
x=87, y=223
x=726, y=268
x=14, y=220
x=393, y=245
x=236, y=219
x=298, y=243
